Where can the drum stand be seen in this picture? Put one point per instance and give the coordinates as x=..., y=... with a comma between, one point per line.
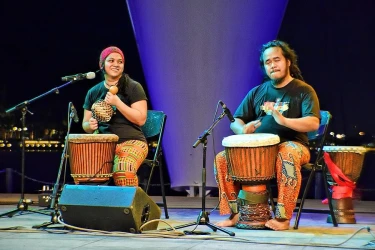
x=23, y=204
x=203, y=215
x=55, y=192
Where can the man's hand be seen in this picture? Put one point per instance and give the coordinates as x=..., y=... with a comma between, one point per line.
x=279, y=118
x=250, y=127
x=270, y=107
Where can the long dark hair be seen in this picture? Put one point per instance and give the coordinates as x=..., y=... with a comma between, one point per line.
x=123, y=83
x=289, y=54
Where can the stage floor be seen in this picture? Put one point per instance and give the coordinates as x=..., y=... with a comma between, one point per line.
x=17, y=233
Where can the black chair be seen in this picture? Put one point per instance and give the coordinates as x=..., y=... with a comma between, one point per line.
x=153, y=130
x=317, y=140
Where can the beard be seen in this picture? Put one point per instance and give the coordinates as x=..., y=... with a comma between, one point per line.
x=277, y=81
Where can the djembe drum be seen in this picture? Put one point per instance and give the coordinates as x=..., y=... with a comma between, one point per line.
x=91, y=156
x=344, y=166
x=251, y=161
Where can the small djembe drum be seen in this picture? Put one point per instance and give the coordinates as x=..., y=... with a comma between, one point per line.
x=251, y=161
x=344, y=166
x=102, y=111
x=91, y=157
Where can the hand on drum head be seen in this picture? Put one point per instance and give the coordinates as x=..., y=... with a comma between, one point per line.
x=250, y=127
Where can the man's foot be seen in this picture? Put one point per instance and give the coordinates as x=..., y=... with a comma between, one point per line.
x=230, y=222
x=278, y=224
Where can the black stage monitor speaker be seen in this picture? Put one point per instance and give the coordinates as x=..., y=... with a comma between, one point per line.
x=108, y=208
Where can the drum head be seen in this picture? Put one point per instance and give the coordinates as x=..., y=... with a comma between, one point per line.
x=84, y=138
x=251, y=140
x=348, y=149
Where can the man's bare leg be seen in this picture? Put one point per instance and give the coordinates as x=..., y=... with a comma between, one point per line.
x=230, y=222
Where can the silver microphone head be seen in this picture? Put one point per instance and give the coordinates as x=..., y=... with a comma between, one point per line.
x=90, y=75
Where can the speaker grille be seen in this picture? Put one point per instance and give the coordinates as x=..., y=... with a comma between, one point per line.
x=108, y=208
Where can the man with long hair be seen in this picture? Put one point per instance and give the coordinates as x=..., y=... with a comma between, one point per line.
x=283, y=105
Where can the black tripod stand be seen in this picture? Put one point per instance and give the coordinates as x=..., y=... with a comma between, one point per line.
x=203, y=215
x=23, y=204
x=56, y=188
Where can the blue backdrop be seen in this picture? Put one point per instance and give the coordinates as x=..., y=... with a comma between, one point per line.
x=195, y=53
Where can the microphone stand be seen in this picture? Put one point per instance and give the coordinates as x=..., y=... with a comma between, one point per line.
x=23, y=204
x=55, y=194
x=203, y=215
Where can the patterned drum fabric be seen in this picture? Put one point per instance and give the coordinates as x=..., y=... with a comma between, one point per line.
x=253, y=209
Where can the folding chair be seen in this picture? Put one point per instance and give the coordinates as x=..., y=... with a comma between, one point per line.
x=317, y=138
x=153, y=130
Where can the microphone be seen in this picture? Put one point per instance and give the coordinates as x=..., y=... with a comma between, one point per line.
x=77, y=77
x=75, y=115
x=227, y=111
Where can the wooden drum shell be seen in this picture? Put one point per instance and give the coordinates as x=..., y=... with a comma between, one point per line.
x=91, y=157
x=251, y=163
x=348, y=159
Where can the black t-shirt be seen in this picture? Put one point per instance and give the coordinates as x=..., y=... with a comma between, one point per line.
x=297, y=99
x=119, y=125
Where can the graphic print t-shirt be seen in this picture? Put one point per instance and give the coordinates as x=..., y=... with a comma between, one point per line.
x=295, y=100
